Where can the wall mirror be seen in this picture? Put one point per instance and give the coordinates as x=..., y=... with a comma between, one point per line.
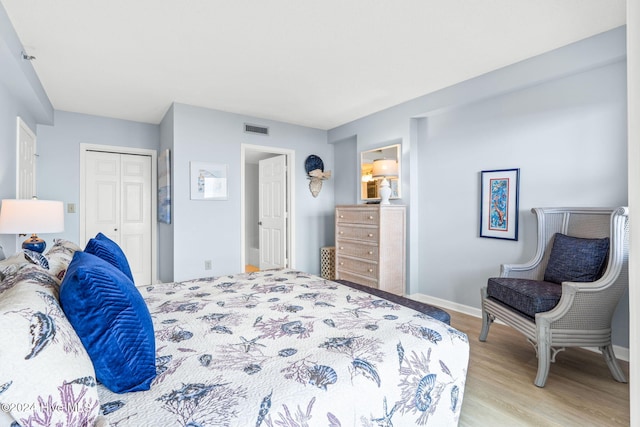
x=377, y=164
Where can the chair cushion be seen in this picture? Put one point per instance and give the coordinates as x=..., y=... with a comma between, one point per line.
x=527, y=296
x=108, y=250
x=112, y=321
x=574, y=259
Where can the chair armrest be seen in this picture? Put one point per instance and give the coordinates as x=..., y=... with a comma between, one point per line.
x=585, y=302
x=531, y=270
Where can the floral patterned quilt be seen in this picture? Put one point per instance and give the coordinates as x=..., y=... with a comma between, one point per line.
x=286, y=348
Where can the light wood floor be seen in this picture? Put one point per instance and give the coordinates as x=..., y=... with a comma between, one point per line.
x=500, y=392
x=250, y=268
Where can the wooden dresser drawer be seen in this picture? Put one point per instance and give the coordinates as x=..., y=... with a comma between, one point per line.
x=368, y=234
x=357, y=216
x=363, y=268
x=372, y=283
x=359, y=250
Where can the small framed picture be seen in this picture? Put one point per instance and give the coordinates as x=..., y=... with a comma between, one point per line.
x=499, y=204
x=164, y=187
x=208, y=181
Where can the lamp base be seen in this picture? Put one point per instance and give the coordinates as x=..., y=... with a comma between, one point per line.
x=385, y=192
x=34, y=243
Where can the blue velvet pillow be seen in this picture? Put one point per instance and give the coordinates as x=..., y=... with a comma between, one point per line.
x=112, y=321
x=574, y=259
x=108, y=250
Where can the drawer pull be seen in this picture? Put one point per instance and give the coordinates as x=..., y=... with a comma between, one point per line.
x=342, y=263
x=342, y=232
x=370, y=234
x=341, y=216
x=370, y=252
x=370, y=216
x=371, y=270
x=341, y=248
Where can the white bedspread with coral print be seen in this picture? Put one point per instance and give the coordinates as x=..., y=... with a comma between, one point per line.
x=285, y=348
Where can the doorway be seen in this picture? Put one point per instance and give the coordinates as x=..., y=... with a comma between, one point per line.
x=118, y=198
x=251, y=249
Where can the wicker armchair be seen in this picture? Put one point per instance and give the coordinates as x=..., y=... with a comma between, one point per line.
x=582, y=315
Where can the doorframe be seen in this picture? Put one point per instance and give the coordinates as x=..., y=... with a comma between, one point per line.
x=291, y=223
x=154, y=193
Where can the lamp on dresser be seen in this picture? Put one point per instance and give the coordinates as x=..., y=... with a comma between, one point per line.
x=385, y=168
x=23, y=216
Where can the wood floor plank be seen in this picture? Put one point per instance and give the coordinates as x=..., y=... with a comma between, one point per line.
x=499, y=390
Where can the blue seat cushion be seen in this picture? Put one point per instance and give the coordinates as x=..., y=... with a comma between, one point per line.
x=575, y=259
x=113, y=322
x=105, y=248
x=527, y=296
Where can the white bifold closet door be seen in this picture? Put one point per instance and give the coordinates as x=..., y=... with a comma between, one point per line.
x=118, y=204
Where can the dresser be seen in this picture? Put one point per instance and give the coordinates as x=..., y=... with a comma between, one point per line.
x=370, y=246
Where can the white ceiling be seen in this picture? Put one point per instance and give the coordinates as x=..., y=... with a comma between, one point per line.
x=315, y=63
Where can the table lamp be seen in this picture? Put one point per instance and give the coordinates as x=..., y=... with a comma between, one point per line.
x=24, y=216
x=385, y=168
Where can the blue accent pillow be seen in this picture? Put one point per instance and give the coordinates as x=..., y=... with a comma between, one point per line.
x=113, y=322
x=108, y=250
x=575, y=259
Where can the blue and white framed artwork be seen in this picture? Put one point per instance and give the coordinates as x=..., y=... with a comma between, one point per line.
x=208, y=181
x=164, y=187
x=499, y=203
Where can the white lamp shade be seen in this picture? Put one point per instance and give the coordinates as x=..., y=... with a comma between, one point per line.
x=27, y=216
x=385, y=168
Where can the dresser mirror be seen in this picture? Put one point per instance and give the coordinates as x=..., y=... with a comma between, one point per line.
x=376, y=165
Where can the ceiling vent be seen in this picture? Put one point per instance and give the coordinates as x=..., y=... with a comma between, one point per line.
x=261, y=130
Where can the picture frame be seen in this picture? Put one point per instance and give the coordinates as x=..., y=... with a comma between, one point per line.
x=164, y=186
x=499, y=202
x=208, y=181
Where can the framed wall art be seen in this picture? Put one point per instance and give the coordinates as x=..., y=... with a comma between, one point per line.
x=164, y=187
x=499, y=204
x=208, y=181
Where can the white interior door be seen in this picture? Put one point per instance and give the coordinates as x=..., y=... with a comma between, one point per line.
x=26, y=161
x=273, y=212
x=118, y=204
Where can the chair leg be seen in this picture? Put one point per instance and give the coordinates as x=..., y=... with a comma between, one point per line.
x=612, y=363
x=544, y=361
x=543, y=335
x=487, y=320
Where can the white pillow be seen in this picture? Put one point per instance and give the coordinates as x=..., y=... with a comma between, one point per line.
x=60, y=255
x=46, y=373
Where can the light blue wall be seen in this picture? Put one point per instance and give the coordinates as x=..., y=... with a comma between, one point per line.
x=567, y=136
x=347, y=171
x=58, y=175
x=21, y=94
x=559, y=117
x=211, y=230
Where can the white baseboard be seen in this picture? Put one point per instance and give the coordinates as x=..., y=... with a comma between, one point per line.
x=622, y=353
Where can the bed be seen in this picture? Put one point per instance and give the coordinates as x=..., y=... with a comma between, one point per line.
x=271, y=348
